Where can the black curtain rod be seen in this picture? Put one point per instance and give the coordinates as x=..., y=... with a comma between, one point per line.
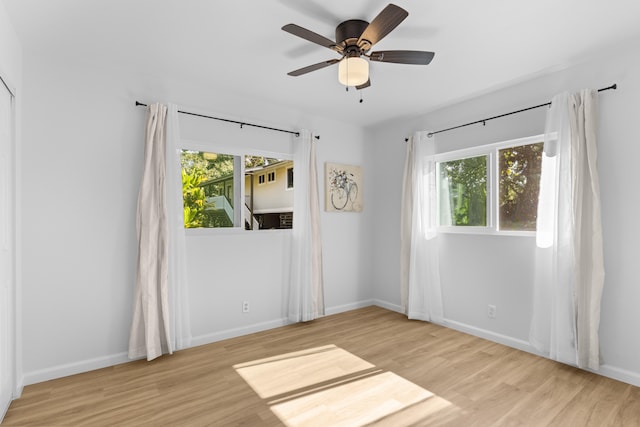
x=484, y=121
x=140, y=104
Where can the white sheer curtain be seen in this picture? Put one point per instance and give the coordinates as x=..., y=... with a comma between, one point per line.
x=306, y=289
x=160, y=312
x=180, y=318
x=420, y=291
x=569, y=258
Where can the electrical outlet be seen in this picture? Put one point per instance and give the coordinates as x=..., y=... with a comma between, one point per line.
x=245, y=306
x=491, y=311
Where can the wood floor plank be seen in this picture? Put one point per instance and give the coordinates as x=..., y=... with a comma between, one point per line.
x=628, y=414
x=597, y=405
x=543, y=404
x=417, y=373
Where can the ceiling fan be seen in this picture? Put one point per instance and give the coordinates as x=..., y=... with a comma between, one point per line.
x=354, y=40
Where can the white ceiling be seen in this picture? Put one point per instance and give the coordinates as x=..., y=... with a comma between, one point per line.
x=480, y=45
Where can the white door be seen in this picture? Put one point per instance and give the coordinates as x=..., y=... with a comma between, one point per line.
x=7, y=225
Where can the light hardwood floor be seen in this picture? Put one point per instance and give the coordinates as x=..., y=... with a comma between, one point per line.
x=368, y=366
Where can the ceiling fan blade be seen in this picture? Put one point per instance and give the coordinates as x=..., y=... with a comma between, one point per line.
x=309, y=35
x=313, y=67
x=390, y=17
x=364, y=85
x=402, y=56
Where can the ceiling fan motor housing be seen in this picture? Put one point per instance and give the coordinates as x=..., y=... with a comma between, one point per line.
x=348, y=33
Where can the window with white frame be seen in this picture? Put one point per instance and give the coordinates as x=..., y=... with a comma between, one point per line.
x=222, y=190
x=491, y=188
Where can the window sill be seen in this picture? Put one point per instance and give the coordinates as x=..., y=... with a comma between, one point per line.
x=229, y=231
x=485, y=231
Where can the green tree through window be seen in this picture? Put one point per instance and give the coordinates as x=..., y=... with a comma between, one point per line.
x=519, y=186
x=464, y=182
x=492, y=188
x=199, y=168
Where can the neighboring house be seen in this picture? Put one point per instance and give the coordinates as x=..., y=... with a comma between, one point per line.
x=219, y=192
x=268, y=193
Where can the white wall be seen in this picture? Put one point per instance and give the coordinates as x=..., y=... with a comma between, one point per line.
x=81, y=169
x=10, y=360
x=480, y=270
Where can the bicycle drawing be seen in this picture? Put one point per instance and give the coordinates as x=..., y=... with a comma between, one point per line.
x=343, y=190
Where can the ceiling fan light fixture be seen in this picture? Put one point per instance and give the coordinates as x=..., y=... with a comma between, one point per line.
x=353, y=71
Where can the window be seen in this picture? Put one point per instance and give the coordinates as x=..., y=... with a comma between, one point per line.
x=213, y=191
x=492, y=188
x=208, y=189
x=519, y=183
x=463, y=192
x=289, y=177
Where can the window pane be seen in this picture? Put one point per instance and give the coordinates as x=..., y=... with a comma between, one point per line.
x=519, y=172
x=463, y=192
x=207, y=189
x=267, y=206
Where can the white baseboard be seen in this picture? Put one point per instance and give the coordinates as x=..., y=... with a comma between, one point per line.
x=492, y=336
x=74, y=368
x=608, y=371
x=116, y=359
x=388, y=306
x=264, y=326
x=623, y=375
x=238, y=332
x=348, y=307
x=3, y=411
x=17, y=392
x=472, y=330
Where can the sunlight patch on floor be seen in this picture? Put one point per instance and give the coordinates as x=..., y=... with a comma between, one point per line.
x=353, y=404
x=330, y=386
x=295, y=371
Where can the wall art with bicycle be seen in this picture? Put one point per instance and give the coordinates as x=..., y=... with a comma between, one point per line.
x=343, y=188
